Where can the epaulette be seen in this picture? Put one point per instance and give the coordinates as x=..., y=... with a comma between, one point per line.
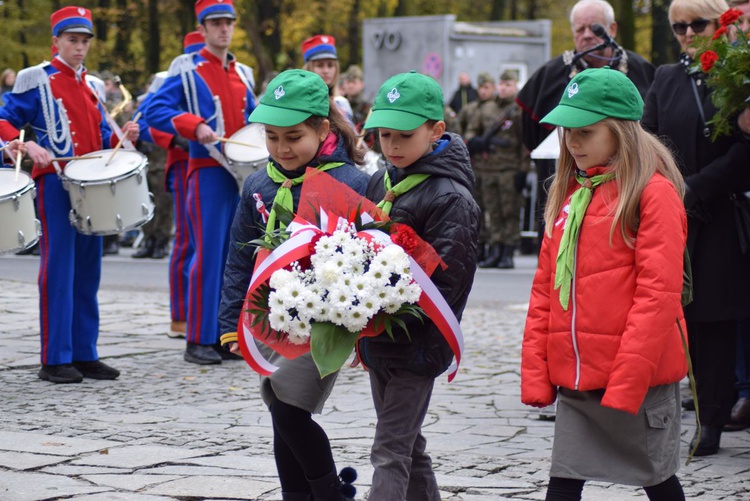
x=248, y=72
x=158, y=81
x=182, y=64
x=30, y=78
x=97, y=84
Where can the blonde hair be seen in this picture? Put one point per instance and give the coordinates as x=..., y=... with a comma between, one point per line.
x=639, y=156
x=335, y=85
x=705, y=9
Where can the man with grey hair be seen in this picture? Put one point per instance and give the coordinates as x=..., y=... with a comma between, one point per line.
x=543, y=90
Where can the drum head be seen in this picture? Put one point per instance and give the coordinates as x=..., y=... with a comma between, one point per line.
x=252, y=134
x=9, y=184
x=97, y=169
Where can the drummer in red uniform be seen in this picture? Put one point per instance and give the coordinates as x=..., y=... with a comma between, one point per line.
x=56, y=101
x=206, y=96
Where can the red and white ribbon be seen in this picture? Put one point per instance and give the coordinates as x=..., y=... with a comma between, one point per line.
x=296, y=248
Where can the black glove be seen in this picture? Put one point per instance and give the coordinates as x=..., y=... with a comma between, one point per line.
x=476, y=145
x=180, y=142
x=519, y=181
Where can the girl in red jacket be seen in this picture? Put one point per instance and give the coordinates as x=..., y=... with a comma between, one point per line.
x=602, y=334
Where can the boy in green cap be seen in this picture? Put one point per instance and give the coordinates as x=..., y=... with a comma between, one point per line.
x=427, y=185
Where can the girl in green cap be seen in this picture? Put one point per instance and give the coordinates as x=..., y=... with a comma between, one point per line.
x=302, y=130
x=602, y=335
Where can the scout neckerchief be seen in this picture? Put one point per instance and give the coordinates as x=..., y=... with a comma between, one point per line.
x=579, y=202
x=391, y=192
x=284, y=193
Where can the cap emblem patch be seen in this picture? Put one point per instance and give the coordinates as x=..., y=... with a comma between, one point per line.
x=393, y=95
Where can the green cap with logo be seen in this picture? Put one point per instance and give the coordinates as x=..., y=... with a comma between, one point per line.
x=406, y=101
x=595, y=94
x=291, y=98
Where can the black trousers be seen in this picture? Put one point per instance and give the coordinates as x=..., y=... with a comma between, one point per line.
x=713, y=350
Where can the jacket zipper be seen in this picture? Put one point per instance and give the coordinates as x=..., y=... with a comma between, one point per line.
x=573, y=318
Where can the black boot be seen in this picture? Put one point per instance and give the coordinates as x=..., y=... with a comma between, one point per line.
x=506, y=261
x=295, y=496
x=160, y=250
x=481, y=252
x=493, y=256
x=333, y=487
x=709, y=440
x=146, y=250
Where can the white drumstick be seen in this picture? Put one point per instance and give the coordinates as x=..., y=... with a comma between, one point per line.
x=19, y=155
x=119, y=143
x=70, y=159
x=238, y=143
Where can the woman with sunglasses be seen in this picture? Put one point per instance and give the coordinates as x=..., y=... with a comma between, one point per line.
x=677, y=109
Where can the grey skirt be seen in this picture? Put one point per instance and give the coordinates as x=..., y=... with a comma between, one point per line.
x=297, y=382
x=599, y=443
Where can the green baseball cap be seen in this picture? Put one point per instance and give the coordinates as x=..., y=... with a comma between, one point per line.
x=406, y=101
x=291, y=98
x=595, y=94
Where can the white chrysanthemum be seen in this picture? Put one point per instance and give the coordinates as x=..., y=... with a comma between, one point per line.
x=299, y=336
x=279, y=319
x=328, y=273
x=276, y=301
x=310, y=305
x=340, y=297
x=356, y=319
x=280, y=278
x=291, y=293
x=378, y=273
x=392, y=307
x=362, y=286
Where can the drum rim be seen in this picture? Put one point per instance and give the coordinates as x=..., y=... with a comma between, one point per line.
x=229, y=146
x=105, y=153
x=29, y=186
x=108, y=180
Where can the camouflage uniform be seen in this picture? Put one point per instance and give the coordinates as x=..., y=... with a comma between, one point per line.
x=462, y=122
x=499, y=168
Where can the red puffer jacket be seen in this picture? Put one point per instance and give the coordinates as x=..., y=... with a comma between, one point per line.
x=620, y=331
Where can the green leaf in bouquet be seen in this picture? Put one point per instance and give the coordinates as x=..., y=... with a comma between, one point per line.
x=330, y=346
x=283, y=215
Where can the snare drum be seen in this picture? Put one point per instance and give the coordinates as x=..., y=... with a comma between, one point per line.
x=19, y=227
x=108, y=199
x=245, y=160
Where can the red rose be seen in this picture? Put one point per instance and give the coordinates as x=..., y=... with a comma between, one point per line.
x=730, y=17
x=708, y=59
x=406, y=238
x=721, y=31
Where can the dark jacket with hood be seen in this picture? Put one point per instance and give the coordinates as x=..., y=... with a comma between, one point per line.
x=443, y=212
x=247, y=226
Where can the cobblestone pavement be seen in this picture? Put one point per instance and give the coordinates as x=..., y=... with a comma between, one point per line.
x=170, y=430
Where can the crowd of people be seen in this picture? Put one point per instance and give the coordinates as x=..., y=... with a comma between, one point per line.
x=639, y=194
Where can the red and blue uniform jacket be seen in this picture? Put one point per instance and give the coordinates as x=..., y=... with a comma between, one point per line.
x=62, y=109
x=199, y=89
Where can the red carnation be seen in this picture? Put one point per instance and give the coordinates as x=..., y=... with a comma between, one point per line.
x=721, y=31
x=730, y=17
x=708, y=59
x=406, y=238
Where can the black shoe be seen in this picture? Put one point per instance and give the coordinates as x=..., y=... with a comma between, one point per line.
x=96, y=370
x=29, y=250
x=63, y=373
x=506, y=261
x=709, y=440
x=160, y=250
x=493, y=256
x=688, y=404
x=226, y=354
x=111, y=245
x=740, y=417
x=146, y=250
x=201, y=354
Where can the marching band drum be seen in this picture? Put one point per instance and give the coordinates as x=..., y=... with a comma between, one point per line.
x=108, y=197
x=246, y=152
x=20, y=228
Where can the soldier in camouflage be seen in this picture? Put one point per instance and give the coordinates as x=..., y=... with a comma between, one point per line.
x=501, y=163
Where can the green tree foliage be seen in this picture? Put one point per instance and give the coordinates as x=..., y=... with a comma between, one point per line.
x=136, y=38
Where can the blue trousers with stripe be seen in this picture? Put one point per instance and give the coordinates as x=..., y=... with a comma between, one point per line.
x=69, y=274
x=182, y=249
x=212, y=199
